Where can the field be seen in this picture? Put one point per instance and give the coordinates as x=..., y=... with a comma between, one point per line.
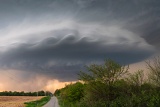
x=16, y=101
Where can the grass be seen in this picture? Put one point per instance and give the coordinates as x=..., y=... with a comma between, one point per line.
x=38, y=103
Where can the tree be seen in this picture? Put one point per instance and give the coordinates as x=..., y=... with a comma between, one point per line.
x=100, y=81
x=154, y=68
x=57, y=92
x=107, y=73
x=41, y=93
x=72, y=92
x=136, y=79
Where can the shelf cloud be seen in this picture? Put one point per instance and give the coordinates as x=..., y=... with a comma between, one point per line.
x=56, y=38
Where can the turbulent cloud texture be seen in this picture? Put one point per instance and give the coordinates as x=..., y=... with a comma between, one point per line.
x=56, y=38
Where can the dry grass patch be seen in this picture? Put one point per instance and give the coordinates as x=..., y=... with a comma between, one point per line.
x=16, y=101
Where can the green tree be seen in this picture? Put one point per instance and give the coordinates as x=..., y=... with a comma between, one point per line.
x=100, y=81
x=73, y=92
x=107, y=73
x=57, y=92
x=136, y=79
x=154, y=68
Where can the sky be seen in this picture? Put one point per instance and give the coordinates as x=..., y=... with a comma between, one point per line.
x=45, y=43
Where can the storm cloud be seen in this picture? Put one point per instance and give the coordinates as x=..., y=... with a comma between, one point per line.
x=58, y=37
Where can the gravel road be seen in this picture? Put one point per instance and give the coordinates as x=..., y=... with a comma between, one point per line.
x=52, y=103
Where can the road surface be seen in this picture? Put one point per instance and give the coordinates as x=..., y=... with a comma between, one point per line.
x=52, y=103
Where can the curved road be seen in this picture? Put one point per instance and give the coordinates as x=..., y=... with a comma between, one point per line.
x=52, y=103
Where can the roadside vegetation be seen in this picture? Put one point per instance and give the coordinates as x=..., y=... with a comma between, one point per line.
x=38, y=103
x=112, y=85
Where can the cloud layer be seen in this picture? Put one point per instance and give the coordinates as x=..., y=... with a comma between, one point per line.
x=67, y=50
x=56, y=38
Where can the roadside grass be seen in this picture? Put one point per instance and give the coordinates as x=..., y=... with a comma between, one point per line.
x=38, y=103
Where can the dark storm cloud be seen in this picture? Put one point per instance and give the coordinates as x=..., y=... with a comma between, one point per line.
x=65, y=56
x=58, y=37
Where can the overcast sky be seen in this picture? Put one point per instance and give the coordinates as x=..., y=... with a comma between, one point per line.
x=54, y=39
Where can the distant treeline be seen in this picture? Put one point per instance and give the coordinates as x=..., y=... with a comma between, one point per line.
x=22, y=93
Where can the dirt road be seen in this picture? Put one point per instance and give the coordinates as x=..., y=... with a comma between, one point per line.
x=52, y=103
